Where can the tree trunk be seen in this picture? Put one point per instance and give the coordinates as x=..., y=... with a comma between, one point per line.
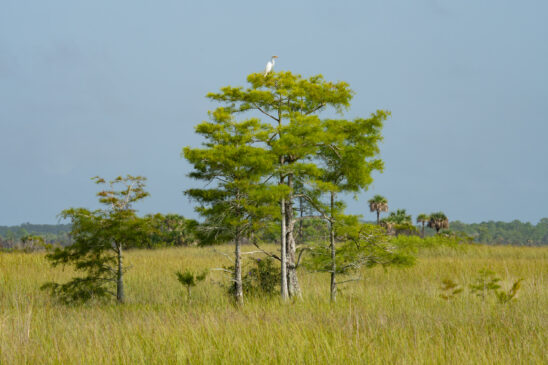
x=120, y=297
x=378, y=217
x=332, y=246
x=293, y=281
x=422, y=231
x=238, y=292
x=283, y=251
x=301, y=210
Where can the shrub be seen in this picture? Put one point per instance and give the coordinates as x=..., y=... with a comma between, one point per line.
x=449, y=289
x=262, y=279
x=487, y=282
x=190, y=279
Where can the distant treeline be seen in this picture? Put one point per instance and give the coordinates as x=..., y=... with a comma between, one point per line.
x=165, y=230
x=51, y=233
x=505, y=233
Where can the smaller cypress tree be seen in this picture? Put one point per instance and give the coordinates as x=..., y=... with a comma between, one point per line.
x=99, y=237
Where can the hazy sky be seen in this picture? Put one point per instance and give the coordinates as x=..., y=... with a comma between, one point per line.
x=113, y=87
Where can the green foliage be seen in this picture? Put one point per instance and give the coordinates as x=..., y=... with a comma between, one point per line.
x=378, y=202
x=450, y=289
x=52, y=234
x=423, y=218
x=438, y=221
x=400, y=216
x=34, y=243
x=359, y=245
x=257, y=169
x=399, y=223
x=405, y=229
x=487, y=282
x=232, y=165
x=171, y=230
x=78, y=290
x=506, y=296
x=263, y=278
x=99, y=237
x=513, y=233
x=189, y=279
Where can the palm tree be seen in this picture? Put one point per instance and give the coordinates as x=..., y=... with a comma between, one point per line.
x=400, y=216
x=378, y=204
x=423, y=218
x=438, y=221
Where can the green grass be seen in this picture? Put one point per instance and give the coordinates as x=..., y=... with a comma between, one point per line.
x=390, y=317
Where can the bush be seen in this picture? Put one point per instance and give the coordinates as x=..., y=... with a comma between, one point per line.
x=262, y=279
x=190, y=279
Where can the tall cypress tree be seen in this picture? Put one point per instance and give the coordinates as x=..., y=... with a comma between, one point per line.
x=235, y=199
x=292, y=105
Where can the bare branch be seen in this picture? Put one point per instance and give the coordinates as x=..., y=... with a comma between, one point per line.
x=318, y=209
x=266, y=252
x=224, y=254
x=265, y=113
x=250, y=252
x=221, y=269
x=346, y=281
x=315, y=109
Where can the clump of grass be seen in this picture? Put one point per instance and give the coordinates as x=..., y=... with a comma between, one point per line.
x=507, y=296
x=450, y=289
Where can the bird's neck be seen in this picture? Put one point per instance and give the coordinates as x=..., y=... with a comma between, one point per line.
x=273, y=60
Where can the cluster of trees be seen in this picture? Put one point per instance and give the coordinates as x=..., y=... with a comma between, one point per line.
x=285, y=173
x=278, y=179
x=13, y=237
x=289, y=167
x=399, y=222
x=169, y=230
x=510, y=233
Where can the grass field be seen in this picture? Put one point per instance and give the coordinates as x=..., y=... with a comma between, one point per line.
x=390, y=317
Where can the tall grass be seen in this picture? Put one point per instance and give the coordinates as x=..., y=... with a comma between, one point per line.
x=394, y=316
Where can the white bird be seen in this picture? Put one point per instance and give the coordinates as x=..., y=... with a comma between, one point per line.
x=270, y=65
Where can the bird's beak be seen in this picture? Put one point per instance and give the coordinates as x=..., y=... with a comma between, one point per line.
x=274, y=56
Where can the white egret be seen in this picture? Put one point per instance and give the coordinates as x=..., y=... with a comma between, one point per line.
x=270, y=65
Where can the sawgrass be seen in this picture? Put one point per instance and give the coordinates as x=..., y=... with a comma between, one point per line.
x=389, y=317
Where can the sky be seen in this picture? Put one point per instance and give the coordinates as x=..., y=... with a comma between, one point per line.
x=115, y=87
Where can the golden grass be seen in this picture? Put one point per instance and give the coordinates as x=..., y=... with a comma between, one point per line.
x=391, y=317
